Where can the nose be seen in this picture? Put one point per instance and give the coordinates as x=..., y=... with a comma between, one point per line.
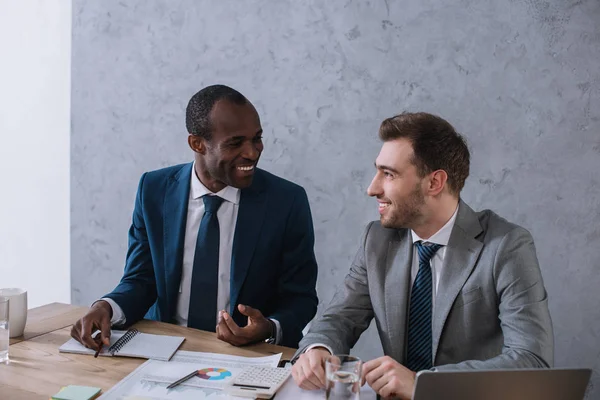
x=251, y=150
x=374, y=188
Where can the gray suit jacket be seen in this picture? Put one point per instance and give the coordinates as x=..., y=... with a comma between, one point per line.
x=491, y=308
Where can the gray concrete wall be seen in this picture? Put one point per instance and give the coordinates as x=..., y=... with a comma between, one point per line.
x=521, y=79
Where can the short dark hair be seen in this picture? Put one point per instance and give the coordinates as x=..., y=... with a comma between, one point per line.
x=436, y=145
x=197, y=113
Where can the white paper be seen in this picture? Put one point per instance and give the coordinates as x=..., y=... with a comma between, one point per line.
x=150, y=380
x=290, y=390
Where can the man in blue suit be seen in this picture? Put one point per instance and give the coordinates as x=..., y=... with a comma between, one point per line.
x=216, y=244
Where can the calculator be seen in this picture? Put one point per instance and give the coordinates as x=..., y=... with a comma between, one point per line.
x=258, y=382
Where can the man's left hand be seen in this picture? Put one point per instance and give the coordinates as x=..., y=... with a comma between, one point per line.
x=258, y=328
x=389, y=378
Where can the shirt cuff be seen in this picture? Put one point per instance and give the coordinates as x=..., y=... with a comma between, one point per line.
x=118, y=317
x=278, y=332
x=312, y=346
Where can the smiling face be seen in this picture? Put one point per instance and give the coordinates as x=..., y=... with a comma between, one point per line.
x=397, y=186
x=230, y=156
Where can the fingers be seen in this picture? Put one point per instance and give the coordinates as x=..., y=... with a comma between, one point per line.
x=223, y=331
x=300, y=378
x=385, y=376
x=308, y=371
x=374, y=373
x=98, y=317
x=98, y=340
x=311, y=381
x=225, y=334
x=295, y=374
x=259, y=327
x=388, y=378
x=233, y=327
x=301, y=374
x=377, y=379
x=316, y=364
x=87, y=328
x=229, y=331
x=388, y=391
x=75, y=331
x=368, y=367
x=105, y=331
x=249, y=311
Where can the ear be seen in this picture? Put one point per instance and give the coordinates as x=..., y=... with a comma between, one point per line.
x=437, y=182
x=197, y=144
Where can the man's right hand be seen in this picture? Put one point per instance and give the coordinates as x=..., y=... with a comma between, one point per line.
x=97, y=318
x=309, y=370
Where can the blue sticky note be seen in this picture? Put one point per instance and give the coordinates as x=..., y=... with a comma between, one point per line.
x=74, y=392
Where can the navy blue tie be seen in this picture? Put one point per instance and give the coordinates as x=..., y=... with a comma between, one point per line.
x=205, y=275
x=419, y=350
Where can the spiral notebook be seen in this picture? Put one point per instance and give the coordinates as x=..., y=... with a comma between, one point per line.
x=131, y=343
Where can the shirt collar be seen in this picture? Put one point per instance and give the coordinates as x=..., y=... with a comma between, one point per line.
x=197, y=189
x=440, y=237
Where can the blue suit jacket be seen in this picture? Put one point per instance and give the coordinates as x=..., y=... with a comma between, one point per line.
x=273, y=266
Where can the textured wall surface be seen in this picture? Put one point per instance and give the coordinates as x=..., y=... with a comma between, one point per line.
x=519, y=78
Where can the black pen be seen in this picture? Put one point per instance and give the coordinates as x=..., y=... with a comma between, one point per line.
x=98, y=351
x=185, y=378
x=100, y=343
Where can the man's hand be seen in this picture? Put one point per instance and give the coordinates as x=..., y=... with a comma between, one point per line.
x=97, y=318
x=258, y=328
x=389, y=378
x=309, y=369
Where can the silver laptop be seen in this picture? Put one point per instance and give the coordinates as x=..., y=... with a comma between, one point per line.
x=524, y=384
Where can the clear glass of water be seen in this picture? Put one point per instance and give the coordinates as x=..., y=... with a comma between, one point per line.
x=342, y=374
x=4, y=330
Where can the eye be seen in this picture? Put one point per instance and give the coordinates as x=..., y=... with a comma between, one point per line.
x=387, y=174
x=257, y=139
x=235, y=143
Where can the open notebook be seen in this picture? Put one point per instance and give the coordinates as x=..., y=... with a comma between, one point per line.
x=131, y=343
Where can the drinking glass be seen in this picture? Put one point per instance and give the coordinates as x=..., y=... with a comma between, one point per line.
x=342, y=374
x=4, y=335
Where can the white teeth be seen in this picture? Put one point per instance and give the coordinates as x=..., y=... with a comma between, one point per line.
x=383, y=205
x=246, y=168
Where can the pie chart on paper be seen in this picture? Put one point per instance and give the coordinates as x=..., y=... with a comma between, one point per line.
x=213, y=374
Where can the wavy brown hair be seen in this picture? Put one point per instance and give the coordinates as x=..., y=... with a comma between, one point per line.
x=436, y=145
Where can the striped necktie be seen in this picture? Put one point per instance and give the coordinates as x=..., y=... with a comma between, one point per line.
x=419, y=349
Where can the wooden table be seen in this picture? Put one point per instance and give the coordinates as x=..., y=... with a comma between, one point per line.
x=37, y=370
x=48, y=318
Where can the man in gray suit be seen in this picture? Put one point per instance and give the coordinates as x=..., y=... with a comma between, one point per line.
x=449, y=288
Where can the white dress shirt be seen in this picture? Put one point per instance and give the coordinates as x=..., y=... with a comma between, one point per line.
x=227, y=216
x=440, y=237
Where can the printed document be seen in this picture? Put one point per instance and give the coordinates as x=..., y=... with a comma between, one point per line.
x=215, y=371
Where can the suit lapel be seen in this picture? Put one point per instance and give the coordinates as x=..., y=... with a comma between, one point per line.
x=174, y=222
x=461, y=256
x=397, y=287
x=247, y=230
